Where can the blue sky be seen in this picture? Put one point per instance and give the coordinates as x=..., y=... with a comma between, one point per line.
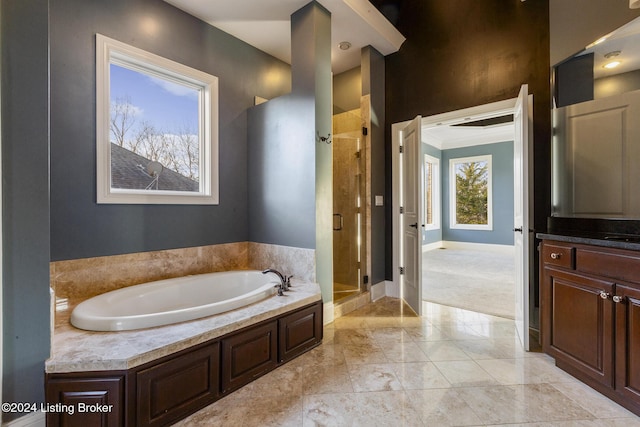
x=167, y=105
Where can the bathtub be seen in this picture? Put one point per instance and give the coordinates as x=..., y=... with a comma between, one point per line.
x=172, y=300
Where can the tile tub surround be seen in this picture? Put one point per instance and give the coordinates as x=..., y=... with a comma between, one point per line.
x=80, y=279
x=299, y=262
x=75, y=350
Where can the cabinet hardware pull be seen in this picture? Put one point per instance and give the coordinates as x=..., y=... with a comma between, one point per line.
x=555, y=255
x=604, y=295
x=618, y=298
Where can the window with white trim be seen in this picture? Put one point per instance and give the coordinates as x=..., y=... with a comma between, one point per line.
x=470, y=193
x=156, y=128
x=431, y=192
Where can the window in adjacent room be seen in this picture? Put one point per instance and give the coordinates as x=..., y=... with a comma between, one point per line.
x=470, y=184
x=157, y=131
x=432, y=192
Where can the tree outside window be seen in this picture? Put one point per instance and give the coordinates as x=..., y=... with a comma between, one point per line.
x=471, y=193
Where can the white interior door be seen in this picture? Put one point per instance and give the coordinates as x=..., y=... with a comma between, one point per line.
x=521, y=120
x=411, y=218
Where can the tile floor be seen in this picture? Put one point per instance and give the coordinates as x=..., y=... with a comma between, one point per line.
x=383, y=366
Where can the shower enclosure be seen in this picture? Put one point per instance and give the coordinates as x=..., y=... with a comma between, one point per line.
x=348, y=215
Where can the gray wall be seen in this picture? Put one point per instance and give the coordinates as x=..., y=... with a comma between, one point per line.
x=573, y=24
x=282, y=154
x=347, y=89
x=373, y=84
x=81, y=228
x=25, y=191
x=502, y=187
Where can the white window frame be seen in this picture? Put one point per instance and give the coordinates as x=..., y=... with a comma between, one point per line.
x=453, y=195
x=110, y=51
x=436, y=196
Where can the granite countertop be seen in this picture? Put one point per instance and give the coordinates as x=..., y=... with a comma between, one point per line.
x=609, y=240
x=76, y=350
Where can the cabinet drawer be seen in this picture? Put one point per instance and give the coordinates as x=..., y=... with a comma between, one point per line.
x=621, y=265
x=558, y=255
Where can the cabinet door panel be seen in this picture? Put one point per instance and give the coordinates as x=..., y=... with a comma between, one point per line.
x=76, y=393
x=178, y=387
x=300, y=331
x=581, y=329
x=628, y=343
x=249, y=354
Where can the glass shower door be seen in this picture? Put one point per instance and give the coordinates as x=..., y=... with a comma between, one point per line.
x=348, y=182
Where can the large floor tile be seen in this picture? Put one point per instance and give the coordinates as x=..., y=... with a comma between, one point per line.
x=521, y=404
x=442, y=350
x=403, y=351
x=443, y=407
x=360, y=409
x=419, y=376
x=591, y=400
x=464, y=373
x=374, y=377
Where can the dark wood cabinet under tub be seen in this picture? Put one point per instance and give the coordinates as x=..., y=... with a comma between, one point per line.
x=168, y=389
x=591, y=315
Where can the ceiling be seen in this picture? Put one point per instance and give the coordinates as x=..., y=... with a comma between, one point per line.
x=448, y=136
x=625, y=40
x=265, y=24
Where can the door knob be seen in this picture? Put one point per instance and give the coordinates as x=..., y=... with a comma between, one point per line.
x=518, y=229
x=414, y=225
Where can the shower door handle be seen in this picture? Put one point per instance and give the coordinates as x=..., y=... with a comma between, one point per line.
x=337, y=225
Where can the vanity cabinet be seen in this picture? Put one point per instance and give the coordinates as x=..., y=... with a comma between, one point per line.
x=165, y=390
x=591, y=316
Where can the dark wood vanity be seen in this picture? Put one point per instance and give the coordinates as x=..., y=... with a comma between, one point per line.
x=168, y=389
x=590, y=305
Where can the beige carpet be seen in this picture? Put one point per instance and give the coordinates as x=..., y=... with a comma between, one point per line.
x=470, y=279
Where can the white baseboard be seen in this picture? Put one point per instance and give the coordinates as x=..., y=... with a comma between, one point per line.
x=378, y=291
x=432, y=246
x=483, y=247
x=392, y=289
x=34, y=419
x=327, y=312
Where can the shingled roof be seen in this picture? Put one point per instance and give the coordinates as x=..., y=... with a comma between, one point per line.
x=128, y=172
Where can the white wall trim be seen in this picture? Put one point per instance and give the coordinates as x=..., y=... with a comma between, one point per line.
x=392, y=289
x=327, y=312
x=34, y=419
x=481, y=247
x=482, y=111
x=378, y=291
x=431, y=246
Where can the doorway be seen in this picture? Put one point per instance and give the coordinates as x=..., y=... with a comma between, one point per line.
x=521, y=109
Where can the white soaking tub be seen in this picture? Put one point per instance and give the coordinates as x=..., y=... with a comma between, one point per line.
x=173, y=300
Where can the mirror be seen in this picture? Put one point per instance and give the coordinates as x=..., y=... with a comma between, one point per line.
x=595, y=149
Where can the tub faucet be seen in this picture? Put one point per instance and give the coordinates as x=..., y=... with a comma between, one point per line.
x=282, y=286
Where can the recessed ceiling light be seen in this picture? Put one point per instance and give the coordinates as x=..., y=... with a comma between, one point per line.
x=344, y=45
x=612, y=54
x=612, y=64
